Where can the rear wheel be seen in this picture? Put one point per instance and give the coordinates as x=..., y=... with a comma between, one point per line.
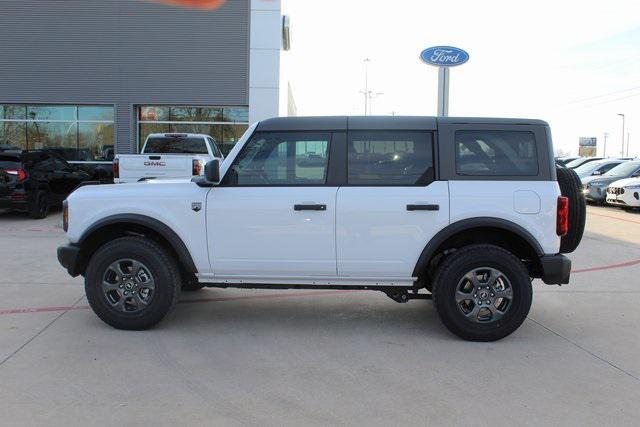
x=482, y=292
x=39, y=207
x=132, y=283
x=571, y=187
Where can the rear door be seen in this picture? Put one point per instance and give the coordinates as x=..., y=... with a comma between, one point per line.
x=391, y=204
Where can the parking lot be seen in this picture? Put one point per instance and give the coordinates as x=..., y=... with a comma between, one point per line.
x=319, y=357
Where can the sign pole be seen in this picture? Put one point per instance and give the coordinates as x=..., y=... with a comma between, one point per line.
x=443, y=91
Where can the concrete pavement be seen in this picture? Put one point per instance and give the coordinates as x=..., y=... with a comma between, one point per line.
x=244, y=357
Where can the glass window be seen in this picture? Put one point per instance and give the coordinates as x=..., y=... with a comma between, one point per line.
x=175, y=145
x=13, y=134
x=195, y=114
x=154, y=113
x=206, y=120
x=298, y=158
x=58, y=137
x=51, y=112
x=95, y=113
x=13, y=111
x=230, y=135
x=390, y=158
x=495, y=153
x=96, y=141
x=236, y=114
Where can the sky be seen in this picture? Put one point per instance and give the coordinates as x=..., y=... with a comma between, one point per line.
x=575, y=64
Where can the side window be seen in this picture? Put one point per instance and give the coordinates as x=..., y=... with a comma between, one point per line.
x=496, y=153
x=604, y=169
x=390, y=158
x=283, y=158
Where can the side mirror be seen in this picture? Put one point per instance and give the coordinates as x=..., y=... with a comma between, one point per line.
x=597, y=173
x=212, y=171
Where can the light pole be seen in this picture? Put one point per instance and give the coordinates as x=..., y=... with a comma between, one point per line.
x=604, y=151
x=366, y=85
x=622, y=150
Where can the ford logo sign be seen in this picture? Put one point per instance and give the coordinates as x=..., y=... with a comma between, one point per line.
x=444, y=56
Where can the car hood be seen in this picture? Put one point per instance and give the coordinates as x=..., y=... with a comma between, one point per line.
x=599, y=180
x=625, y=182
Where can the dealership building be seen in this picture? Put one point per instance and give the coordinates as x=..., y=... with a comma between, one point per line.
x=93, y=77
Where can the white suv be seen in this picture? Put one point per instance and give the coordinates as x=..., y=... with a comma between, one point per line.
x=463, y=210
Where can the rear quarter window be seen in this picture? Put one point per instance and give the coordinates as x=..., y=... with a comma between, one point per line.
x=496, y=153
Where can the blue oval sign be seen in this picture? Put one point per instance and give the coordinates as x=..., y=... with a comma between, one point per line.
x=444, y=56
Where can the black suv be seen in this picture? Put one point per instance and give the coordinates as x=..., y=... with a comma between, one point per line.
x=33, y=181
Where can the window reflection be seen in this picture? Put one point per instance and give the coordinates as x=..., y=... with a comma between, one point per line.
x=207, y=120
x=84, y=132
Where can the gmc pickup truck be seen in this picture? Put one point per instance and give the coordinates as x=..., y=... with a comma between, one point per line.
x=464, y=211
x=165, y=156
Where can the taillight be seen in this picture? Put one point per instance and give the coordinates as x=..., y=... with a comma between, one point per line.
x=562, y=218
x=21, y=174
x=116, y=168
x=196, y=168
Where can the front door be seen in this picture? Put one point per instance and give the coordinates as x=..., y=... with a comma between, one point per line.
x=391, y=206
x=273, y=215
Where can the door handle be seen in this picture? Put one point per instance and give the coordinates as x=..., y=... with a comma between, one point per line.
x=154, y=157
x=423, y=207
x=309, y=207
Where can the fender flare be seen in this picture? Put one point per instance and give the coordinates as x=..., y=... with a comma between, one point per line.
x=158, y=226
x=467, y=224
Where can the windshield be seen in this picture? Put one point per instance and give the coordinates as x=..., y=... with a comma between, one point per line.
x=588, y=168
x=624, y=169
x=172, y=145
x=580, y=160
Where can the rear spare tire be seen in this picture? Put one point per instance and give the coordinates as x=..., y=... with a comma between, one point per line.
x=571, y=188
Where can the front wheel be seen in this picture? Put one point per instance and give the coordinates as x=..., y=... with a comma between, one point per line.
x=482, y=292
x=132, y=283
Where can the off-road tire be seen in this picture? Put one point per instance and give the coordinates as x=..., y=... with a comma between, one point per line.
x=456, y=266
x=162, y=267
x=39, y=206
x=571, y=187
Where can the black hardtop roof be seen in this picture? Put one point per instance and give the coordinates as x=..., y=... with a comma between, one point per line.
x=381, y=122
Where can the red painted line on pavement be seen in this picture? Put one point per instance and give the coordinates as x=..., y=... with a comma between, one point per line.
x=608, y=267
x=269, y=296
x=189, y=301
x=614, y=217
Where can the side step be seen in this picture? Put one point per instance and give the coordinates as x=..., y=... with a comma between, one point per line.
x=404, y=296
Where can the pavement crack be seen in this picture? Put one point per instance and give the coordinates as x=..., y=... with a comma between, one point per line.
x=602, y=359
x=6, y=359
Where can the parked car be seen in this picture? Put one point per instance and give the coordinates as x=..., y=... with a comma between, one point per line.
x=624, y=193
x=166, y=155
x=467, y=209
x=597, y=168
x=581, y=161
x=33, y=181
x=562, y=161
x=595, y=187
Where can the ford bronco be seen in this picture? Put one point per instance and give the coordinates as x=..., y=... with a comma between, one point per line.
x=464, y=211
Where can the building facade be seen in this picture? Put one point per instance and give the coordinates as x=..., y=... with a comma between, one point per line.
x=94, y=77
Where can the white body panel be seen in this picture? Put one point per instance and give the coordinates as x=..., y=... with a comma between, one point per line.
x=254, y=231
x=377, y=236
x=512, y=201
x=167, y=201
x=134, y=167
